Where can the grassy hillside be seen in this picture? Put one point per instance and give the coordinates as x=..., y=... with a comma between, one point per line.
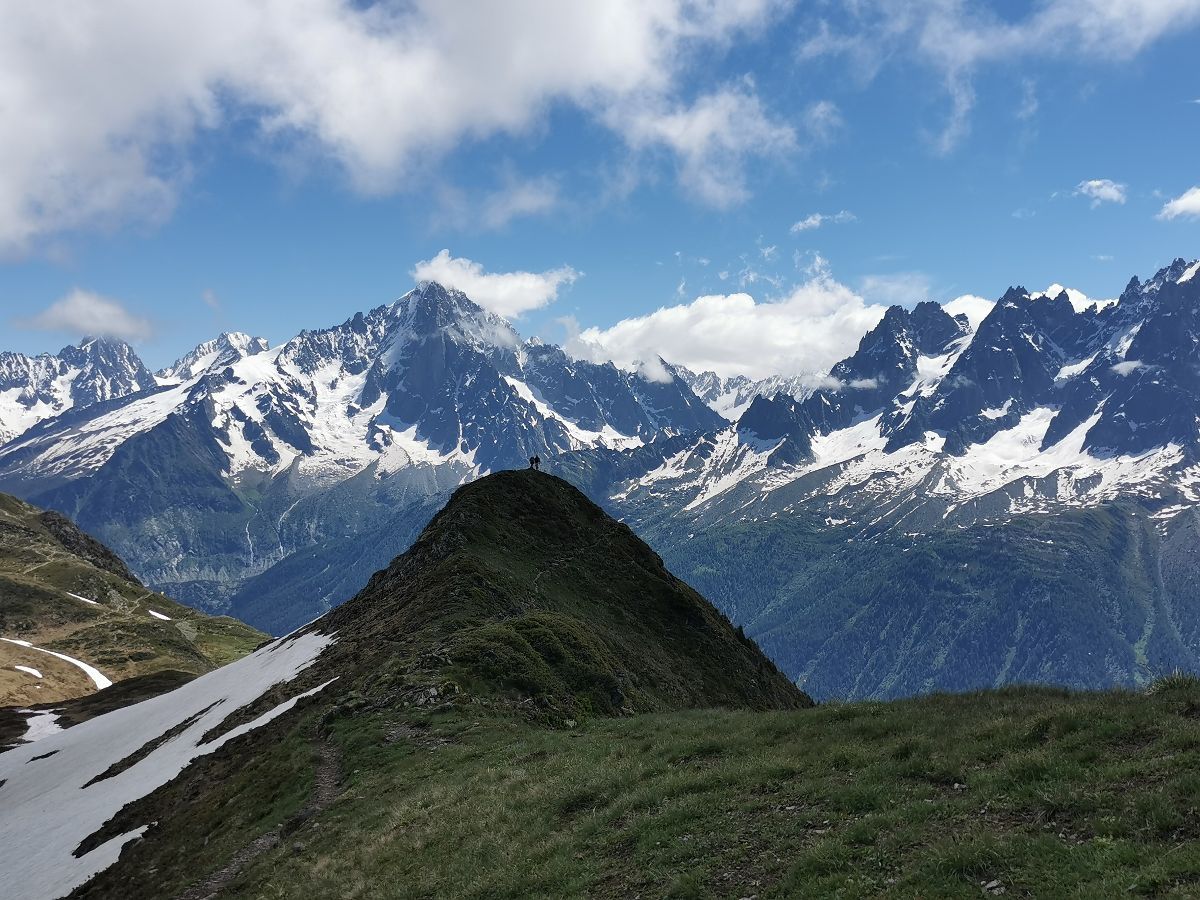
x=522, y=589
x=49, y=570
x=528, y=704
x=1033, y=792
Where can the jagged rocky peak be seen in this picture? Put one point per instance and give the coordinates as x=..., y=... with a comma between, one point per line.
x=218, y=353
x=889, y=352
x=430, y=308
x=772, y=418
x=38, y=387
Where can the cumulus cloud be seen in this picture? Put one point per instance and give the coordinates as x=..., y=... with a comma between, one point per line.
x=809, y=329
x=1186, y=205
x=108, y=99
x=507, y=294
x=382, y=89
x=816, y=220
x=955, y=39
x=1101, y=190
x=84, y=313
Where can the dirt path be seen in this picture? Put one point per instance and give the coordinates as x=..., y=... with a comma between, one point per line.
x=326, y=789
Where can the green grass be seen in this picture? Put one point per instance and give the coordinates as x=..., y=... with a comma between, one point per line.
x=44, y=559
x=1049, y=793
x=524, y=708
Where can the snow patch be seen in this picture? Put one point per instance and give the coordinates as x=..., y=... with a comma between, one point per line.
x=45, y=810
x=98, y=678
x=29, y=670
x=158, y=615
x=40, y=724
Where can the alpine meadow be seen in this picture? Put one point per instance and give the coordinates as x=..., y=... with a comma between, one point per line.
x=684, y=449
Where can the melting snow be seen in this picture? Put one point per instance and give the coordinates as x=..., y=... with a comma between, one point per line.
x=29, y=670
x=1073, y=369
x=45, y=810
x=159, y=615
x=84, y=599
x=40, y=725
x=98, y=678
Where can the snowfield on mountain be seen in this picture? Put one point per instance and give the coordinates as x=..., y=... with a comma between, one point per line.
x=64, y=785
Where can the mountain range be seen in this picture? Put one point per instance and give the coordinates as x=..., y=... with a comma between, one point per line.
x=528, y=703
x=954, y=505
x=312, y=461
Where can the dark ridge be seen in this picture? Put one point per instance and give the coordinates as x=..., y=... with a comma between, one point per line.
x=83, y=545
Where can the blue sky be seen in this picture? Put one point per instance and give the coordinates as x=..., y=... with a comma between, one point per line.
x=270, y=166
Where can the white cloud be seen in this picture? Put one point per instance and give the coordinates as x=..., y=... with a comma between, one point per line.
x=956, y=38
x=108, y=99
x=975, y=308
x=1186, y=204
x=1028, y=106
x=823, y=120
x=712, y=139
x=904, y=288
x=84, y=313
x=816, y=220
x=1101, y=190
x=809, y=329
x=507, y=294
x=516, y=197
x=531, y=197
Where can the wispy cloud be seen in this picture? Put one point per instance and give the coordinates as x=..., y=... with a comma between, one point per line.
x=85, y=313
x=816, y=220
x=956, y=39
x=904, y=288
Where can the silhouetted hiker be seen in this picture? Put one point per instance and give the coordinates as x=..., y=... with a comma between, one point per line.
x=537, y=463
x=533, y=462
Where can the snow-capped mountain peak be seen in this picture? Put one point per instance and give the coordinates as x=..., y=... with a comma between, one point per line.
x=220, y=352
x=1049, y=401
x=34, y=388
